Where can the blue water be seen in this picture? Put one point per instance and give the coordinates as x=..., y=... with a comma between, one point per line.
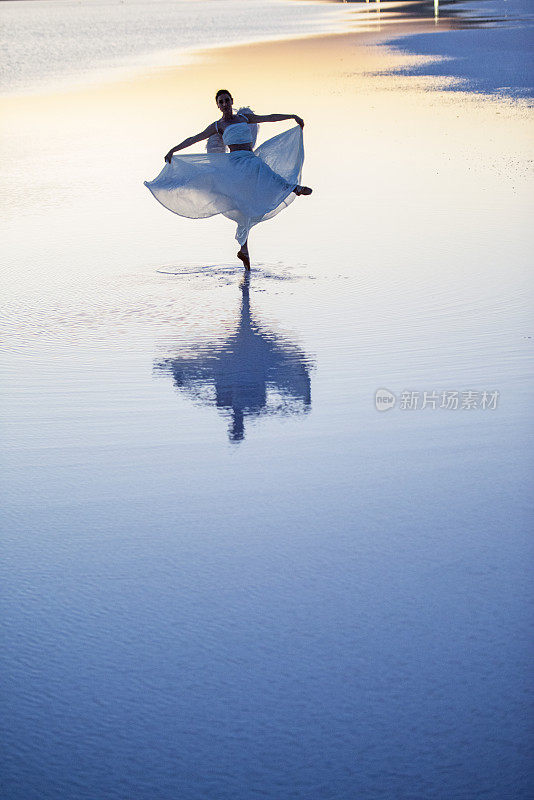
x=332, y=604
x=225, y=574
x=496, y=61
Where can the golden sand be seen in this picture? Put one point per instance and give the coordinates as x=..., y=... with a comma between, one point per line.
x=385, y=154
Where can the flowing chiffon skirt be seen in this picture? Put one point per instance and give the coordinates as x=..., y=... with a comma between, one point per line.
x=245, y=186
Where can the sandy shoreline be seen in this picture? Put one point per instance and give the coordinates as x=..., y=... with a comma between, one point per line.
x=338, y=83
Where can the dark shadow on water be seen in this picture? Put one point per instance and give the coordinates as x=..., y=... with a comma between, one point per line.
x=254, y=372
x=486, y=45
x=459, y=13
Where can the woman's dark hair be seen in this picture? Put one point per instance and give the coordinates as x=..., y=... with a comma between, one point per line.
x=223, y=91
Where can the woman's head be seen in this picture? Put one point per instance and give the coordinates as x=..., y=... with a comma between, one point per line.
x=224, y=99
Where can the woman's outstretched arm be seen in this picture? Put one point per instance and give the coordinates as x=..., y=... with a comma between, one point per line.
x=273, y=118
x=209, y=131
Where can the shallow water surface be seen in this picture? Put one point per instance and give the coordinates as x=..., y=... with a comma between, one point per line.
x=225, y=573
x=65, y=43
x=498, y=61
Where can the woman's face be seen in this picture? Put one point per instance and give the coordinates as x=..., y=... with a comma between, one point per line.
x=225, y=102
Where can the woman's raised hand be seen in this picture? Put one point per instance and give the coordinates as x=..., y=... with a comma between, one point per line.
x=299, y=121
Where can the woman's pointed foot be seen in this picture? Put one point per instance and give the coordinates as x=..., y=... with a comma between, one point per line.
x=302, y=190
x=244, y=258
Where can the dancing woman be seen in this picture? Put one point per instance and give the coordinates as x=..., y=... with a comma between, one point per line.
x=245, y=185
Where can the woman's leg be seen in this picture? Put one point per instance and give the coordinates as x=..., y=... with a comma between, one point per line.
x=244, y=256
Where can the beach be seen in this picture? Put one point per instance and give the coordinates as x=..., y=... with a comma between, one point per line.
x=227, y=572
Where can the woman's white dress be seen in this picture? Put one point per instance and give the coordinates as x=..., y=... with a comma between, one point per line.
x=244, y=185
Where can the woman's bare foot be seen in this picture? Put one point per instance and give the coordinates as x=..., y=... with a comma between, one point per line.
x=243, y=255
x=302, y=190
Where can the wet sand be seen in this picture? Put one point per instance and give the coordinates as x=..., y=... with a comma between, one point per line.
x=233, y=576
x=379, y=151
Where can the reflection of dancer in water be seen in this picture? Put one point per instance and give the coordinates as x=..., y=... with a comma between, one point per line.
x=245, y=185
x=254, y=372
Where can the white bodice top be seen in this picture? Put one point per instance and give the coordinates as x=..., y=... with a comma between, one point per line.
x=237, y=133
